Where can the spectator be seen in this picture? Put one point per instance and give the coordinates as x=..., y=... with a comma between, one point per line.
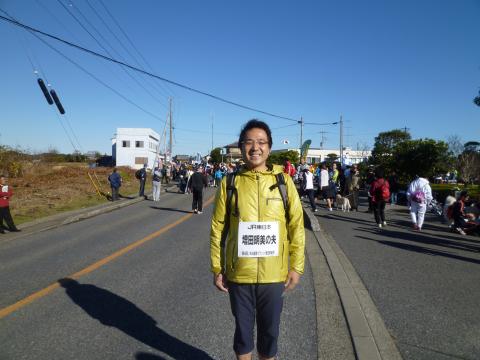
x=419, y=194
x=156, y=183
x=6, y=193
x=368, y=183
x=393, y=182
x=324, y=187
x=353, y=186
x=115, y=182
x=289, y=169
x=379, y=193
x=141, y=175
x=309, y=188
x=218, y=176
x=197, y=182
x=458, y=213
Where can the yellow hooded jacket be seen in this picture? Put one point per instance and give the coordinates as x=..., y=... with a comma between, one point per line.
x=257, y=201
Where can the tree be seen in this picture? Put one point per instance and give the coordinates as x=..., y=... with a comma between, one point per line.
x=469, y=166
x=472, y=146
x=455, y=145
x=280, y=157
x=469, y=162
x=331, y=158
x=423, y=157
x=216, y=155
x=384, y=145
x=476, y=100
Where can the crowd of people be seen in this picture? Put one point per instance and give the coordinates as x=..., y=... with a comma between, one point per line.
x=339, y=188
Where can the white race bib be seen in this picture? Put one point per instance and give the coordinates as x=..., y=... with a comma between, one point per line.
x=5, y=188
x=258, y=239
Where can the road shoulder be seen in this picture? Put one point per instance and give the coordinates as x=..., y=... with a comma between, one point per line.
x=368, y=333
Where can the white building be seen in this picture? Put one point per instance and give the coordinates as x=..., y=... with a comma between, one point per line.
x=134, y=147
x=315, y=156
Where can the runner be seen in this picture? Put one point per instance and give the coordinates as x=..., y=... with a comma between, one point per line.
x=264, y=254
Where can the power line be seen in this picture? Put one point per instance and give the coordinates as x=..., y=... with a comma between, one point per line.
x=103, y=47
x=131, y=43
x=86, y=71
x=125, y=48
x=14, y=22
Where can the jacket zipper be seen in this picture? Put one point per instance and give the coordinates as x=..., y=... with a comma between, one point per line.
x=258, y=215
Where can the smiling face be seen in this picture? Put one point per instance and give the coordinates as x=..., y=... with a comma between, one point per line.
x=255, y=149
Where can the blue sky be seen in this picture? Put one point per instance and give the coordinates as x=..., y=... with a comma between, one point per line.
x=380, y=64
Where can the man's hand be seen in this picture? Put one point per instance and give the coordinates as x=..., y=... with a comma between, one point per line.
x=220, y=282
x=293, y=278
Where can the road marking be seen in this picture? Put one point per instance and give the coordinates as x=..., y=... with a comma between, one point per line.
x=45, y=291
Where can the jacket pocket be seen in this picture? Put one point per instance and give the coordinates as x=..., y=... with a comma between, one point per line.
x=272, y=200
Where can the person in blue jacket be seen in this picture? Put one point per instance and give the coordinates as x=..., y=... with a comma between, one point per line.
x=115, y=182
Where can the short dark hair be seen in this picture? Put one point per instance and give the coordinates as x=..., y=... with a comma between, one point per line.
x=379, y=173
x=255, y=124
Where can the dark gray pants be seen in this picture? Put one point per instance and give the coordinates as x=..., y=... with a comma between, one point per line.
x=260, y=302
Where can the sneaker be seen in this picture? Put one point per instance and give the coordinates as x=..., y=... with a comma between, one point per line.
x=195, y=211
x=315, y=210
x=460, y=231
x=199, y=212
x=384, y=223
x=415, y=227
x=379, y=225
x=330, y=209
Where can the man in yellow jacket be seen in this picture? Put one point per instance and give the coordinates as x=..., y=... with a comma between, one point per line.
x=264, y=252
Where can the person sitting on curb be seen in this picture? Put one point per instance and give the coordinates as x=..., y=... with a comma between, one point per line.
x=6, y=193
x=458, y=214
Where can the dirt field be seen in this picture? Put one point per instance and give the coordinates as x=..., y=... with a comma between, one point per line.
x=47, y=189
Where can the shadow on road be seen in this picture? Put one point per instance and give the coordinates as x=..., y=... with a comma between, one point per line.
x=147, y=356
x=170, y=209
x=113, y=310
x=427, y=238
x=126, y=197
x=423, y=250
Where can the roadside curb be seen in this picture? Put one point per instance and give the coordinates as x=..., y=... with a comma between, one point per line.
x=60, y=219
x=370, y=337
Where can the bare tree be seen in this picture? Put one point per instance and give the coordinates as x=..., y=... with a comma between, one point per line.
x=469, y=166
x=455, y=145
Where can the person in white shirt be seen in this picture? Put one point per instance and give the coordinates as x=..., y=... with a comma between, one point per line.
x=419, y=194
x=324, y=187
x=309, y=188
x=156, y=183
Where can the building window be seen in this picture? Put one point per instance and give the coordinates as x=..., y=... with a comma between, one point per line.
x=139, y=144
x=125, y=143
x=141, y=160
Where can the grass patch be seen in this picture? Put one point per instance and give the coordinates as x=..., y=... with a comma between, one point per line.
x=47, y=189
x=443, y=190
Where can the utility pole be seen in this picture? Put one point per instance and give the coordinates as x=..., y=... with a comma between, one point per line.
x=323, y=139
x=301, y=132
x=171, y=130
x=211, y=116
x=341, y=140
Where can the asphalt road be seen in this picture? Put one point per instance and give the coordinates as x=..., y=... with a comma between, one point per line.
x=425, y=285
x=155, y=301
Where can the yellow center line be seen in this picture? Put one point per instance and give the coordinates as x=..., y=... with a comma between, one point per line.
x=47, y=290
